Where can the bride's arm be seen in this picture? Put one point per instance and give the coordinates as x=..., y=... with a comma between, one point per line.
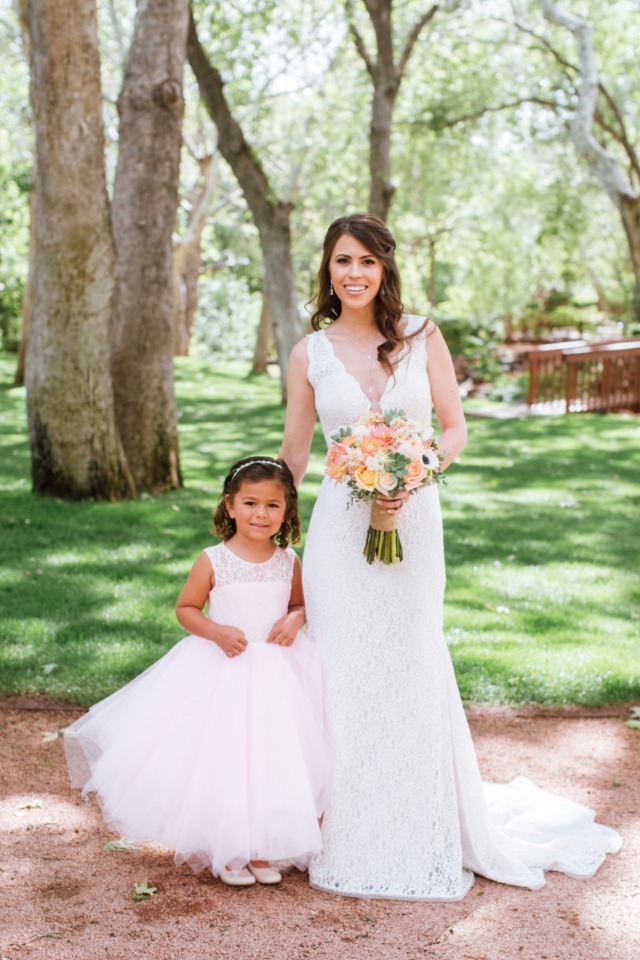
x=446, y=398
x=301, y=414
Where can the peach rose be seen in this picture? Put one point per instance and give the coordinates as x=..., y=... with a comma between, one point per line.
x=365, y=479
x=415, y=475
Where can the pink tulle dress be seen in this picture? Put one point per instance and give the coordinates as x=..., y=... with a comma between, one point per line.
x=222, y=760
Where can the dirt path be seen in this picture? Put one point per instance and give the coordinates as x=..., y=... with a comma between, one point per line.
x=62, y=896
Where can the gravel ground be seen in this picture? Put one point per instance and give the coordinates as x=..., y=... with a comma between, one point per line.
x=63, y=896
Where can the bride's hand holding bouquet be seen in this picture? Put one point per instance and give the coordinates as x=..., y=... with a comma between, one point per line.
x=383, y=455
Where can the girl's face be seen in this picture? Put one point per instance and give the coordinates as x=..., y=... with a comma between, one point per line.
x=356, y=274
x=258, y=509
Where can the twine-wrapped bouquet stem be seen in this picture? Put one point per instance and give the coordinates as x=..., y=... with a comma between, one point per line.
x=383, y=540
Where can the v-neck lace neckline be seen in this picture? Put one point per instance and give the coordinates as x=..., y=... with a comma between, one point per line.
x=370, y=401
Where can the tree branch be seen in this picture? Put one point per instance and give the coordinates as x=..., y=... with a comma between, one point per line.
x=413, y=37
x=570, y=70
x=359, y=40
x=380, y=15
x=231, y=140
x=476, y=114
x=602, y=164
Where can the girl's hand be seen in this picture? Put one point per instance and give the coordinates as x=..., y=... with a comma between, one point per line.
x=285, y=631
x=231, y=641
x=393, y=503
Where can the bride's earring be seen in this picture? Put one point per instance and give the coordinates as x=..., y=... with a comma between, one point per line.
x=330, y=288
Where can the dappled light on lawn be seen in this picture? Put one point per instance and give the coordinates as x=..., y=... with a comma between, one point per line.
x=541, y=537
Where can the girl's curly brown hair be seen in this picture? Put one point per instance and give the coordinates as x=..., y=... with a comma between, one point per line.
x=255, y=469
x=373, y=234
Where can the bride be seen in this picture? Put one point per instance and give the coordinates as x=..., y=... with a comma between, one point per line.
x=409, y=817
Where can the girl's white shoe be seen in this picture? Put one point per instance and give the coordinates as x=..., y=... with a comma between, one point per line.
x=266, y=875
x=237, y=878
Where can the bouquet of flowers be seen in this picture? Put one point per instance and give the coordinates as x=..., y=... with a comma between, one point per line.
x=383, y=454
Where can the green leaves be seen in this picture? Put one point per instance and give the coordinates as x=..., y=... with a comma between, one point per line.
x=391, y=415
x=142, y=891
x=341, y=434
x=396, y=464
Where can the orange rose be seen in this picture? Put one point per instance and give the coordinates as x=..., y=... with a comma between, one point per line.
x=370, y=445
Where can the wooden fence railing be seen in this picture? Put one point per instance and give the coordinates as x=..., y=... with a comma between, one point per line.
x=577, y=377
x=548, y=373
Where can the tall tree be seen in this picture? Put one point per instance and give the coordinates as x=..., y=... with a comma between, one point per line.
x=602, y=163
x=74, y=444
x=22, y=12
x=386, y=72
x=145, y=200
x=271, y=215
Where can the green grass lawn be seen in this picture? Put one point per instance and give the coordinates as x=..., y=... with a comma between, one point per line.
x=542, y=535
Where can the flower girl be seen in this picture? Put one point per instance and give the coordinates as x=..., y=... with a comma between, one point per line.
x=219, y=750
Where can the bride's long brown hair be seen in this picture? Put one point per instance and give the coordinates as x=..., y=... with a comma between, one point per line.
x=373, y=234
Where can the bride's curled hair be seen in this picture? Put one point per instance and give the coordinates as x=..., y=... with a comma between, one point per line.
x=373, y=234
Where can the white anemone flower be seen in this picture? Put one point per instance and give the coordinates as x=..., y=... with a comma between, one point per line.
x=430, y=459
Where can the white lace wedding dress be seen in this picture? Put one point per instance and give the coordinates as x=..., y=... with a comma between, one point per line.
x=409, y=817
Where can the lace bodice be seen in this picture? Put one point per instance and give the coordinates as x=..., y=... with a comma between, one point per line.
x=250, y=596
x=231, y=569
x=340, y=398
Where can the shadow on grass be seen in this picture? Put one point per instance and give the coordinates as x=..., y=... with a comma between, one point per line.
x=540, y=518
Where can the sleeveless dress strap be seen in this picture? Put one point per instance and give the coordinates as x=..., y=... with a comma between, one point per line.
x=321, y=358
x=418, y=345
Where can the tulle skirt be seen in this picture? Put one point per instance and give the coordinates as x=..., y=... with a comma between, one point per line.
x=222, y=760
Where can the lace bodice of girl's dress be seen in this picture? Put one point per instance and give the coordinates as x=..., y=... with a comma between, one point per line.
x=407, y=817
x=270, y=584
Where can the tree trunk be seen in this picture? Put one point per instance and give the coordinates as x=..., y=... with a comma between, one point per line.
x=74, y=445
x=27, y=299
x=22, y=10
x=280, y=287
x=186, y=272
x=263, y=340
x=432, y=270
x=271, y=217
x=145, y=201
x=386, y=75
x=630, y=213
x=381, y=188
x=602, y=164
x=187, y=255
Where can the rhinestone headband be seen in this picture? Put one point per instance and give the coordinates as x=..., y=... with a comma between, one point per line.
x=250, y=463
